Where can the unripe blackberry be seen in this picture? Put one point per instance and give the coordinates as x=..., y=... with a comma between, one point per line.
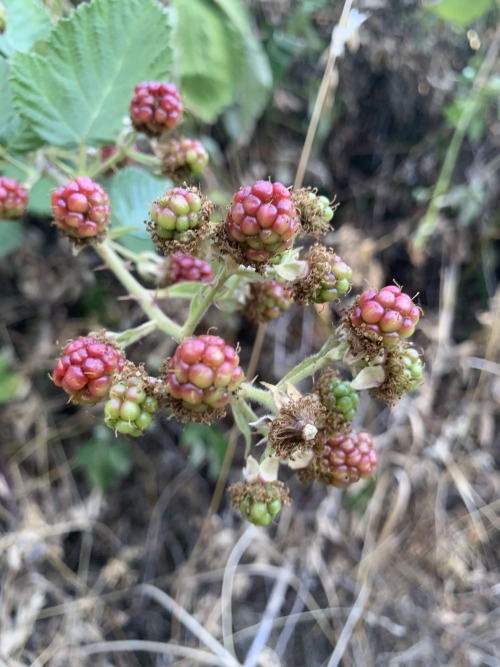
x=346, y=458
x=413, y=369
x=267, y=300
x=341, y=397
x=327, y=277
x=261, y=223
x=335, y=283
x=81, y=210
x=388, y=315
x=180, y=221
x=316, y=212
x=261, y=512
x=184, y=158
x=13, y=199
x=86, y=368
x=182, y=266
x=130, y=408
x=155, y=107
x=203, y=374
x=259, y=501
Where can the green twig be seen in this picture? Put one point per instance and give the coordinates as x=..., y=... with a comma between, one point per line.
x=129, y=336
x=311, y=365
x=256, y=395
x=200, y=305
x=144, y=298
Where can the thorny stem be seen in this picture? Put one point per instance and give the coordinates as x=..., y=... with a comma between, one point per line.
x=129, y=336
x=121, y=152
x=144, y=298
x=200, y=306
x=313, y=363
x=262, y=396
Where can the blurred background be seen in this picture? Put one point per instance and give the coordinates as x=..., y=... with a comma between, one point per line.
x=402, y=570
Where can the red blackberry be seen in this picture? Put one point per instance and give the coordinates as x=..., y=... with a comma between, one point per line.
x=13, y=199
x=81, y=209
x=346, y=458
x=155, y=107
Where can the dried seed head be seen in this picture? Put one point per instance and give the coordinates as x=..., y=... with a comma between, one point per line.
x=296, y=427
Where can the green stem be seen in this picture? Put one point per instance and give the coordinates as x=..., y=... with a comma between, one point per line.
x=129, y=336
x=312, y=364
x=82, y=160
x=143, y=158
x=256, y=395
x=23, y=168
x=200, y=306
x=144, y=298
x=121, y=152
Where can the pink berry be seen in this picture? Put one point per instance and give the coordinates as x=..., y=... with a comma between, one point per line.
x=13, y=199
x=81, y=209
x=262, y=221
x=388, y=313
x=203, y=373
x=183, y=266
x=86, y=368
x=346, y=458
x=155, y=107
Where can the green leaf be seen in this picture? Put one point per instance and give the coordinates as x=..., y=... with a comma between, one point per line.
x=11, y=236
x=210, y=57
x=255, y=80
x=27, y=22
x=131, y=192
x=462, y=12
x=79, y=90
x=15, y=134
x=252, y=95
x=104, y=459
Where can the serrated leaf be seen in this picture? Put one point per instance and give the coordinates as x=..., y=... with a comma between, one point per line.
x=27, y=22
x=39, y=199
x=252, y=95
x=369, y=377
x=15, y=134
x=11, y=236
x=209, y=55
x=462, y=12
x=131, y=191
x=79, y=90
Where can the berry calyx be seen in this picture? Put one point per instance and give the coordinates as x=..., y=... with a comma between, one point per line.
x=86, y=368
x=346, y=458
x=388, y=315
x=261, y=223
x=184, y=158
x=183, y=267
x=130, y=409
x=155, y=107
x=266, y=301
x=203, y=374
x=81, y=210
x=13, y=199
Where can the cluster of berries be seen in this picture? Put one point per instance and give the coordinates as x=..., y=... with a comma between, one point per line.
x=203, y=376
